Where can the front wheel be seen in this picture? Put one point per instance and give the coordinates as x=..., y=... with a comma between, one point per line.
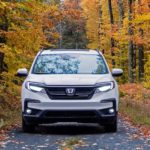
x=27, y=128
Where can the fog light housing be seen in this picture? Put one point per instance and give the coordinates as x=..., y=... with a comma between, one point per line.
x=111, y=110
x=29, y=111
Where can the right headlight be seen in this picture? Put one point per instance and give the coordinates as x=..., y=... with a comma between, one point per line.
x=34, y=87
x=105, y=87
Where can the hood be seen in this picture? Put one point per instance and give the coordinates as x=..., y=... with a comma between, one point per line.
x=70, y=79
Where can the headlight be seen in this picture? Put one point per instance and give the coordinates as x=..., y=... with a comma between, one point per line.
x=34, y=87
x=105, y=87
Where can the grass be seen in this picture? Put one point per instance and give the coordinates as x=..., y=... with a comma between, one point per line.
x=136, y=114
x=11, y=118
x=135, y=103
x=10, y=105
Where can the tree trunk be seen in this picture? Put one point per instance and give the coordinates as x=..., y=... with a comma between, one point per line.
x=141, y=61
x=121, y=17
x=131, y=45
x=4, y=26
x=1, y=61
x=140, y=52
x=100, y=25
x=121, y=12
x=112, y=41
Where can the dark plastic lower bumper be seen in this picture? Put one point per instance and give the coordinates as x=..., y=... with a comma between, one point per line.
x=44, y=120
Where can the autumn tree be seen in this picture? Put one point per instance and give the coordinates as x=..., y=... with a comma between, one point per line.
x=131, y=45
x=25, y=28
x=31, y=26
x=112, y=41
x=127, y=23
x=91, y=14
x=72, y=25
x=121, y=12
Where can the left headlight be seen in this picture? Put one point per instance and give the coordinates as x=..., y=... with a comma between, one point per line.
x=34, y=87
x=105, y=87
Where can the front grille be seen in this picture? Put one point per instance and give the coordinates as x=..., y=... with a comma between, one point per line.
x=59, y=93
x=70, y=114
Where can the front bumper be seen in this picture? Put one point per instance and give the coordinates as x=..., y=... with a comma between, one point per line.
x=82, y=112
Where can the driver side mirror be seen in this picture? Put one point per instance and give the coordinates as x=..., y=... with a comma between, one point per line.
x=22, y=72
x=117, y=72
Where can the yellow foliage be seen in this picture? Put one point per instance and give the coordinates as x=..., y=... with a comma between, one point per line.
x=25, y=27
x=99, y=30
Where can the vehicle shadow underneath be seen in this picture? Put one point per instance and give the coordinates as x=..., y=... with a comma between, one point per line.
x=70, y=129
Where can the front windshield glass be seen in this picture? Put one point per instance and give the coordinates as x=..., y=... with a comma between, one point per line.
x=70, y=64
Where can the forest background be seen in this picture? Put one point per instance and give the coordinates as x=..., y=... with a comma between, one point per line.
x=118, y=28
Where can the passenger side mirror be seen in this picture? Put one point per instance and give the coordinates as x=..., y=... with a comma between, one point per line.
x=22, y=72
x=117, y=72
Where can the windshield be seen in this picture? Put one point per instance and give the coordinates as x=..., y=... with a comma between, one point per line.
x=69, y=64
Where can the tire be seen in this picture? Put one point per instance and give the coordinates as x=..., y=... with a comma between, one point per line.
x=112, y=127
x=27, y=128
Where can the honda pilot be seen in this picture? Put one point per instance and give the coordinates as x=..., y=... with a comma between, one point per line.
x=69, y=86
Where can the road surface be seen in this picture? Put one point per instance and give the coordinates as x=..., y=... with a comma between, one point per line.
x=77, y=137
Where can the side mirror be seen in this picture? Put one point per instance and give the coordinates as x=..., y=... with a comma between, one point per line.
x=22, y=72
x=117, y=72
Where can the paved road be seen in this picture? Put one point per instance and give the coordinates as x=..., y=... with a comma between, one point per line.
x=77, y=137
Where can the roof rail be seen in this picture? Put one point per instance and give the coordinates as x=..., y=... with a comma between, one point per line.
x=41, y=51
x=69, y=49
x=97, y=50
x=103, y=51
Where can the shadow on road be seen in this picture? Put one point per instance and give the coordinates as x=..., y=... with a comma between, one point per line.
x=69, y=129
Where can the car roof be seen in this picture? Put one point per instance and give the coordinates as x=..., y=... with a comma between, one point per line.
x=71, y=51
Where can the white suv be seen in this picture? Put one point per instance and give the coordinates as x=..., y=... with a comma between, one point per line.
x=69, y=86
